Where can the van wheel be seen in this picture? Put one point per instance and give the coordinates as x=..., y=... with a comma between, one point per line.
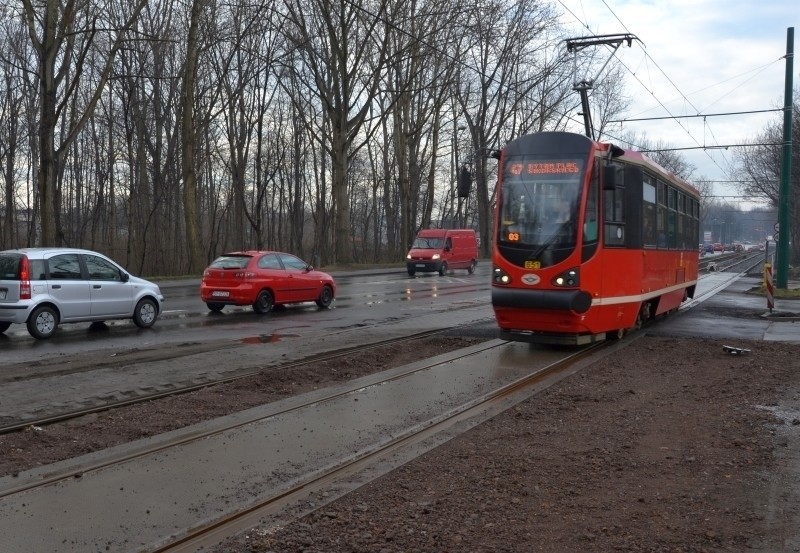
x=471, y=268
x=43, y=322
x=443, y=269
x=4, y=327
x=411, y=272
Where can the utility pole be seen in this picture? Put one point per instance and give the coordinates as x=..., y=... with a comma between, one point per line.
x=784, y=197
x=583, y=87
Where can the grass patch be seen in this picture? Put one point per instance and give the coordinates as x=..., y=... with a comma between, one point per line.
x=778, y=293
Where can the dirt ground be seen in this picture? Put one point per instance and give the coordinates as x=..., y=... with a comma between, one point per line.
x=668, y=445
x=37, y=446
x=652, y=449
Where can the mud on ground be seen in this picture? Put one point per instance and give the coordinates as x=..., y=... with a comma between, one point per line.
x=669, y=445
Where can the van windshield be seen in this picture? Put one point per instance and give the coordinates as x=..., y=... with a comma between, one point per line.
x=427, y=243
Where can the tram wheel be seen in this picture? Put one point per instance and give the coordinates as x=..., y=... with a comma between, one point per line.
x=643, y=316
x=615, y=334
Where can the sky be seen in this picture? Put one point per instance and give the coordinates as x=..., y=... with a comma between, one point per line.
x=698, y=57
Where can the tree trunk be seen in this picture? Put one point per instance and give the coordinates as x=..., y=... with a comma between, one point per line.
x=190, y=199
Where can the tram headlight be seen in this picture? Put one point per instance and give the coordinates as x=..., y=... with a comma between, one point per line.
x=499, y=276
x=568, y=279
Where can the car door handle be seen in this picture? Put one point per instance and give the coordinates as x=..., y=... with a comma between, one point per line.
x=56, y=286
x=97, y=286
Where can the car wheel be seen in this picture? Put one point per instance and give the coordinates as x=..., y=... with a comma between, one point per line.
x=4, y=327
x=325, y=297
x=443, y=269
x=411, y=272
x=471, y=268
x=43, y=322
x=264, y=302
x=215, y=307
x=146, y=313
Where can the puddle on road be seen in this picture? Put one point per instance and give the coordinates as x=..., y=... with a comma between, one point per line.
x=267, y=338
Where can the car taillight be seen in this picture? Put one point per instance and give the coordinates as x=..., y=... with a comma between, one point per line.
x=24, y=279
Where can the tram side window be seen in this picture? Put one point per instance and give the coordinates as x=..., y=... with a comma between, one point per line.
x=672, y=228
x=682, y=226
x=649, y=212
x=661, y=215
x=591, y=216
x=614, y=215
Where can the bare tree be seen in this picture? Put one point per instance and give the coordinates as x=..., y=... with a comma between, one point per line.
x=662, y=153
x=503, y=62
x=344, y=48
x=13, y=115
x=758, y=167
x=63, y=36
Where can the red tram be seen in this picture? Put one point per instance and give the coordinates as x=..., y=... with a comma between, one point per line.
x=590, y=241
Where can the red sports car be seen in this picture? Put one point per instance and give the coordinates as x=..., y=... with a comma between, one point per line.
x=264, y=279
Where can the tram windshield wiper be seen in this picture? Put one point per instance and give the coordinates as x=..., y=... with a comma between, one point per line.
x=550, y=241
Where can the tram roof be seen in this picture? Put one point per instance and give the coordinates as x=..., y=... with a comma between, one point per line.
x=639, y=158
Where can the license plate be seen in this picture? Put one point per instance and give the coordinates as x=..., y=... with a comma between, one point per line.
x=220, y=294
x=2, y=294
x=420, y=265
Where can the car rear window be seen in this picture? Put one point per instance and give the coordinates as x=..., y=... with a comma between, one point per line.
x=9, y=266
x=231, y=262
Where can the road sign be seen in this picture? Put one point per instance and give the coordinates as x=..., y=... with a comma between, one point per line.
x=776, y=228
x=775, y=237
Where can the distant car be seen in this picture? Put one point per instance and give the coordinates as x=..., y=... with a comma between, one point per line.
x=44, y=287
x=717, y=247
x=264, y=279
x=709, y=248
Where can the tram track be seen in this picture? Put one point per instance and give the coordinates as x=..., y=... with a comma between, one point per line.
x=489, y=404
x=179, y=389
x=407, y=439
x=163, y=443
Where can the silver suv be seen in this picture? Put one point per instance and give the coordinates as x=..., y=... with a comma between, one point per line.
x=43, y=287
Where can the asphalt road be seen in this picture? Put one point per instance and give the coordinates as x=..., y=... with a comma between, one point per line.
x=365, y=300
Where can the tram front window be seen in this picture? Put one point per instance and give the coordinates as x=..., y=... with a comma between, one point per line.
x=537, y=213
x=539, y=210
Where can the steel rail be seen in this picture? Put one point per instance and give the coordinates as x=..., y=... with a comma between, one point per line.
x=212, y=533
x=178, y=390
x=180, y=439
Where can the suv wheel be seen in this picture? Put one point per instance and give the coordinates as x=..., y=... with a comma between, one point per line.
x=43, y=322
x=4, y=327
